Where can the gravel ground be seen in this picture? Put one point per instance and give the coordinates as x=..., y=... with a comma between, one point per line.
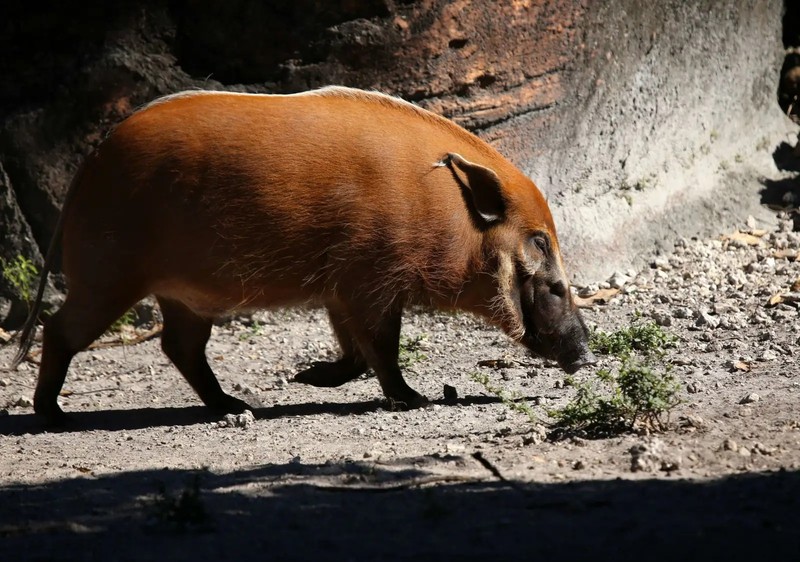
x=144, y=473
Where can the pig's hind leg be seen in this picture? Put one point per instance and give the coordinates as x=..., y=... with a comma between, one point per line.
x=87, y=312
x=349, y=366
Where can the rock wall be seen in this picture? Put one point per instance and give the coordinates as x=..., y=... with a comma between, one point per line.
x=640, y=124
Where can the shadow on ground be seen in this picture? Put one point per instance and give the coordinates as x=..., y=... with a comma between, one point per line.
x=783, y=194
x=141, y=418
x=354, y=511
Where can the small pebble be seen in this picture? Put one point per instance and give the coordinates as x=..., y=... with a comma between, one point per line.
x=768, y=355
x=662, y=318
x=730, y=445
x=618, y=280
x=705, y=319
x=750, y=398
x=661, y=262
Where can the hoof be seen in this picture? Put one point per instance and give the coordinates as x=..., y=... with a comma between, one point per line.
x=52, y=415
x=227, y=404
x=412, y=402
x=330, y=373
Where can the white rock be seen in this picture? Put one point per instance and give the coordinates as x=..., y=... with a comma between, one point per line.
x=23, y=402
x=661, y=262
x=750, y=398
x=705, y=319
x=768, y=355
x=618, y=280
x=652, y=455
x=662, y=318
x=720, y=308
x=243, y=420
x=455, y=448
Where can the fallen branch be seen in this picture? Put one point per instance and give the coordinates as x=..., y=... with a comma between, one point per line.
x=139, y=338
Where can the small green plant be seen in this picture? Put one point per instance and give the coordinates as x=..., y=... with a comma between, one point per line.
x=647, y=338
x=255, y=329
x=513, y=403
x=183, y=511
x=411, y=351
x=639, y=397
x=21, y=274
x=639, y=185
x=127, y=319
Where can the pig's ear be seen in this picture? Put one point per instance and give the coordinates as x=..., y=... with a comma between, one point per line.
x=483, y=188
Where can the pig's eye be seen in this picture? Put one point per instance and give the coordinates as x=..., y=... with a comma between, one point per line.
x=559, y=289
x=541, y=241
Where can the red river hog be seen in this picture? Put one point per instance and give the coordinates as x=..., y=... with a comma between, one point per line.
x=218, y=202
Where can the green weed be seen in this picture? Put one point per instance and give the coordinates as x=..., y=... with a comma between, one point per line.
x=648, y=338
x=127, y=319
x=513, y=403
x=641, y=184
x=637, y=397
x=255, y=328
x=411, y=351
x=21, y=274
x=183, y=511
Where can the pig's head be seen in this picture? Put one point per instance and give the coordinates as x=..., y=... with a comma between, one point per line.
x=528, y=293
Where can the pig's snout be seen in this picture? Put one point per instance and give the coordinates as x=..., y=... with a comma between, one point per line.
x=582, y=359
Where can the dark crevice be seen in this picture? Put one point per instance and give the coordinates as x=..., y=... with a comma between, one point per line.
x=483, y=126
x=267, y=35
x=43, y=55
x=486, y=80
x=789, y=84
x=784, y=194
x=791, y=23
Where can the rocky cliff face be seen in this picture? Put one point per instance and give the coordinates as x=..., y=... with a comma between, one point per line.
x=622, y=114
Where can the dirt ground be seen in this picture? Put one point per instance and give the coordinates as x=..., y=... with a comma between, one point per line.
x=145, y=473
